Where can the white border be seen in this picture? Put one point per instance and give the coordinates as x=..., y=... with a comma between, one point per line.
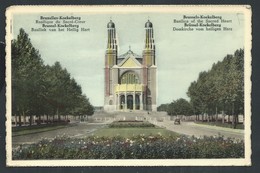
x=245, y=9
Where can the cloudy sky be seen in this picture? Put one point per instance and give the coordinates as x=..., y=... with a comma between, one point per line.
x=180, y=55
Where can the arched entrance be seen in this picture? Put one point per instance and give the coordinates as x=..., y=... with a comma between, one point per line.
x=130, y=102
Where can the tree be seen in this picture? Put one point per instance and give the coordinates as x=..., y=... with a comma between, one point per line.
x=180, y=107
x=220, y=88
x=195, y=101
x=64, y=94
x=27, y=71
x=84, y=107
x=39, y=89
x=237, y=85
x=163, y=107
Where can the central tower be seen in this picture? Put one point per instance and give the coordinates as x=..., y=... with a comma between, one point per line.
x=130, y=79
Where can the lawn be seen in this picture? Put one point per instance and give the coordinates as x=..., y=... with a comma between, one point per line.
x=220, y=124
x=36, y=129
x=129, y=129
x=129, y=132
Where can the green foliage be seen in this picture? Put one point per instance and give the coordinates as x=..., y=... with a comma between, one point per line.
x=118, y=124
x=85, y=107
x=136, y=147
x=39, y=89
x=221, y=88
x=163, y=107
x=130, y=132
x=179, y=107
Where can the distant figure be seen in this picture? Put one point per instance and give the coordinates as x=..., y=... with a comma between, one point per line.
x=148, y=112
x=177, y=121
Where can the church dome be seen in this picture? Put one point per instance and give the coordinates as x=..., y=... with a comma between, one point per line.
x=148, y=24
x=110, y=24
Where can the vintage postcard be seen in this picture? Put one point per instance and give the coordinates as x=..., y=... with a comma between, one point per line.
x=128, y=85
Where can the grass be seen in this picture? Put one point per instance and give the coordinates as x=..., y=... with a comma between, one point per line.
x=37, y=129
x=220, y=124
x=131, y=124
x=128, y=129
x=129, y=132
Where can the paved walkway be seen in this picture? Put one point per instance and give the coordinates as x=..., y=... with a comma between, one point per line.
x=199, y=130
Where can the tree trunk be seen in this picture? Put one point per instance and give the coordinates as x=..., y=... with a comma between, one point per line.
x=20, y=120
x=233, y=115
x=24, y=118
x=47, y=119
x=40, y=119
x=216, y=119
x=223, y=117
x=58, y=113
x=233, y=121
x=31, y=120
x=15, y=119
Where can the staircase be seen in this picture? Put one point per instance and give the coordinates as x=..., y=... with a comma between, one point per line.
x=136, y=115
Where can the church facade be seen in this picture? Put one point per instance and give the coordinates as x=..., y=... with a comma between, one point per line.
x=130, y=79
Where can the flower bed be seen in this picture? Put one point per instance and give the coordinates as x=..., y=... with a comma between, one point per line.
x=137, y=147
x=130, y=121
x=127, y=124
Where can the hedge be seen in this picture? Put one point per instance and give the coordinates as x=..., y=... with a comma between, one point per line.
x=129, y=124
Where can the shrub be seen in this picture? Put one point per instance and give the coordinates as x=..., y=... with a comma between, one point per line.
x=129, y=124
x=137, y=147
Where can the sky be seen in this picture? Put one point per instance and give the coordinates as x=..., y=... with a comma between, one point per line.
x=180, y=55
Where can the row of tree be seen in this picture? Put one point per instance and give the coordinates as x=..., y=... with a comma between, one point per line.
x=218, y=90
x=39, y=89
x=177, y=107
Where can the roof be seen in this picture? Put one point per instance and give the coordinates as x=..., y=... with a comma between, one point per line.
x=148, y=24
x=129, y=59
x=126, y=55
x=110, y=24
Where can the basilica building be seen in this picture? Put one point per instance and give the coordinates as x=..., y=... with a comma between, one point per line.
x=130, y=79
